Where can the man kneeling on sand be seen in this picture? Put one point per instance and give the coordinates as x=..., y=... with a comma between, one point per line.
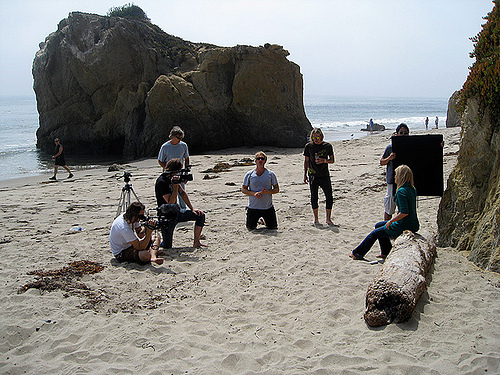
x=132, y=242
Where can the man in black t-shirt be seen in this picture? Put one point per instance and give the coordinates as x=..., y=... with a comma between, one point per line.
x=317, y=155
x=387, y=159
x=167, y=188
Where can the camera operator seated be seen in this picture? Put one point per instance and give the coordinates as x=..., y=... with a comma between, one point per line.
x=167, y=188
x=131, y=242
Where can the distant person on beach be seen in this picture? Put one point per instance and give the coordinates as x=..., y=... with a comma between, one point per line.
x=387, y=159
x=371, y=125
x=59, y=159
x=436, y=121
x=167, y=188
x=427, y=123
x=260, y=184
x=175, y=148
x=317, y=155
x=131, y=242
x=406, y=219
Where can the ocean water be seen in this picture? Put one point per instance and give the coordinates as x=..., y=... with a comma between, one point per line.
x=340, y=118
x=18, y=124
x=343, y=118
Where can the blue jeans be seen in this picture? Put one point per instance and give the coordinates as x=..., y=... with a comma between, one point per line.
x=379, y=234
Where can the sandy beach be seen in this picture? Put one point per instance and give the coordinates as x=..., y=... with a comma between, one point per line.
x=289, y=301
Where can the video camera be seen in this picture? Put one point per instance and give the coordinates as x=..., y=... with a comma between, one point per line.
x=166, y=213
x=126, y=176
x=180, y=176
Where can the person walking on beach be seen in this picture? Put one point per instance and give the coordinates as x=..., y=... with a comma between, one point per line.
x=317, y=155
x=387, y=160
x=59, y=159
x=436, y=121
x=406, y=219
x=371, y=125
x=260, y=184
x=427, y=123
x=175, y=148
x=131, y=242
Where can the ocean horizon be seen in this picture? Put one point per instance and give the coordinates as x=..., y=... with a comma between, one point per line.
x=340, y=118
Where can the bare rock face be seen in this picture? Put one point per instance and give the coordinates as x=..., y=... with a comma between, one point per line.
x=452, y=116
x=108, y=85
x=469, y=212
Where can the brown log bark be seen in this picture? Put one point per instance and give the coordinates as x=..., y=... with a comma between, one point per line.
x=393, y=294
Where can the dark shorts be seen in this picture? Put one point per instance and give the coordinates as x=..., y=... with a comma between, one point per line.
x=269, y=216
x=131, y=255
x=60, y=161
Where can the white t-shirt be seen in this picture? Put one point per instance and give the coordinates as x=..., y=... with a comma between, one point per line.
x=168, y=151
x=256, y=183
x=121, y=234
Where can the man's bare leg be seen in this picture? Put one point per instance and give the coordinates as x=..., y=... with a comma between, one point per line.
x=197, y=235
x=151, y=254
x=55, y=172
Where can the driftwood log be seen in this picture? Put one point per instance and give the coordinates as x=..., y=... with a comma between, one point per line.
x=392, y=296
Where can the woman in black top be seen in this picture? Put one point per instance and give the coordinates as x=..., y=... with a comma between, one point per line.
x=317, y=155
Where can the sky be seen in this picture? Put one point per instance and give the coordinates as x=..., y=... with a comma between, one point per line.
x=371, y=48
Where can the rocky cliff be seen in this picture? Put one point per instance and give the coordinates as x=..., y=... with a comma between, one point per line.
x=108, y=85
x=469, y=212
x=453, y=115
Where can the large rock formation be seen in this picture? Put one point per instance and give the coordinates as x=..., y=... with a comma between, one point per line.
x=453, y=116
x=469, y=212
x=108, y=85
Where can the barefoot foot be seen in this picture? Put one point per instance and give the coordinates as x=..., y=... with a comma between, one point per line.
x=157, y=260
x=351, y=255
x=198, y=244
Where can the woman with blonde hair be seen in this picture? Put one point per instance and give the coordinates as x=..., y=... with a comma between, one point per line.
x=406, y=219
x=317, y=155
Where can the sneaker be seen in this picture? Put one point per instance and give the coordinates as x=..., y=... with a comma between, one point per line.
x=70, y=175
x=52, y=178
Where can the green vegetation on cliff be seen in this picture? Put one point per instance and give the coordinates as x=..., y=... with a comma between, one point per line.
x=483, y=82
x=129, y=11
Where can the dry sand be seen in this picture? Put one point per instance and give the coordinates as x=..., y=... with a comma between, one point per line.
x=264, y=302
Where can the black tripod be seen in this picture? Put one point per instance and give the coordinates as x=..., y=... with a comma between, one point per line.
x=124, y=201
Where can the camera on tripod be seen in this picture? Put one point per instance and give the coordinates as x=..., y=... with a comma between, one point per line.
x=126, y=176
x=180, y=176
x=125, y=195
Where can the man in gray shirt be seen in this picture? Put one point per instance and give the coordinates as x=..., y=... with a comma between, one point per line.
x=175, y=148
x=259, y=184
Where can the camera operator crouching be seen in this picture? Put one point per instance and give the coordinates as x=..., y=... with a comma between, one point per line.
x=167, y=188
x=131, y=242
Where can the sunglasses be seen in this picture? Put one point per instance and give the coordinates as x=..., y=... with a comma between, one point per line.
x=260, y=158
